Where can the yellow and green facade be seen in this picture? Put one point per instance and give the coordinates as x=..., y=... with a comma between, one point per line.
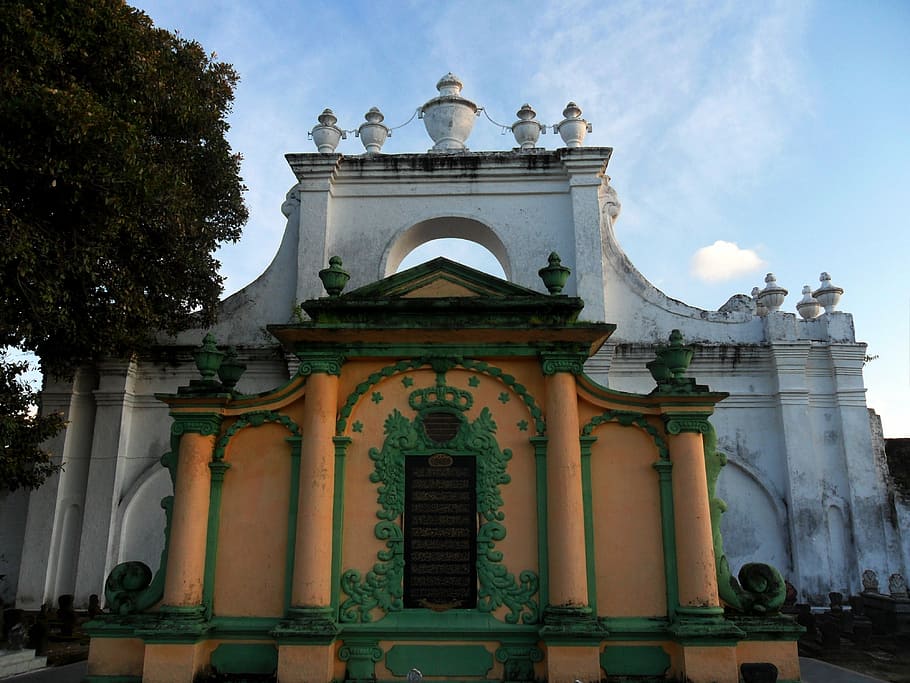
x=441, y=488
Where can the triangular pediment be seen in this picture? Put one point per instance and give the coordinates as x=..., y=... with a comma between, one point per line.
x=442, y=294
x=440, y=278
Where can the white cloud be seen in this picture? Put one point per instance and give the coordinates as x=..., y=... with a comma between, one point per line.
x=724, y=261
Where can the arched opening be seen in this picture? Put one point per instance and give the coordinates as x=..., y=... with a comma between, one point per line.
x=464, y=240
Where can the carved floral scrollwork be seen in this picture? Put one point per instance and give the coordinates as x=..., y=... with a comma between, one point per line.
x=382, y=587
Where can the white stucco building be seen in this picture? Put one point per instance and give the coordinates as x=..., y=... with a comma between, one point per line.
x=809, y=486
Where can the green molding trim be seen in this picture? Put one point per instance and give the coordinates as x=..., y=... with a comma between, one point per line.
x=382, y=587
x=440, y=660
x=175, y=624
x=761, y=589
x=361, y=657
x=309, y=625
x=245, y=628
x=451, y=625
x=678, y=423
x=218, y=469
x=636, y=628
x=245, y=658
x=326, y=362
x=253, y=419
x=293, y=503
x=364, y=386
x=587, y=502
x=518, y=662
x=778, y=627
x=571, y=625
x=635, y=660
x=543, y=558
x=341, y=449
x=440, y=363
x=552, y=362
x=668, y=532
x=205, y=424
x=628, y=418
x=510, y=381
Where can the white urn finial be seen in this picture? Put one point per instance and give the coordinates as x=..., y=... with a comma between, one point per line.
x=449, y=117
x=828, y=295
x=760, y=309
x=773, y=295
x=572, y=128
x=326, y=134
x=808, y=306
x=373, y=133
x=527, y=129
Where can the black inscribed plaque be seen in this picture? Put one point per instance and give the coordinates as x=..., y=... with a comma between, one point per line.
x=440, y=532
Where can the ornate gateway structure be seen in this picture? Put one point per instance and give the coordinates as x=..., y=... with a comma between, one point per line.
x=436, y=483
x=440, y=487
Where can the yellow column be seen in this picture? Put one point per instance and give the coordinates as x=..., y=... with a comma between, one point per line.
x=306, y=650
x=570, y=631
x=695, y=559
x=189, y=522
x=313, y=552
x=565, y=512
x=710, y=655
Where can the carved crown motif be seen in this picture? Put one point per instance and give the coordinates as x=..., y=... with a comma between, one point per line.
x=440, y=396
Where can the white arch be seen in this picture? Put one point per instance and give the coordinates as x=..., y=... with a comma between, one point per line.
x=459, y=227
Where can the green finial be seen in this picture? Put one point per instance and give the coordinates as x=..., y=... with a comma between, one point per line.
x=554, y=276
x=208, y=358
x=231, y=369
x=334, y=278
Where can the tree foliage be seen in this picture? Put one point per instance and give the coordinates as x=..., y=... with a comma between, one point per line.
x=24, y=463
x=116, y=181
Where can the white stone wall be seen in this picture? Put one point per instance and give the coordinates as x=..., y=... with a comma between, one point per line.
x=804, y=485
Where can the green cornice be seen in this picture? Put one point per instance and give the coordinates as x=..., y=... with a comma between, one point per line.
x=326, y=362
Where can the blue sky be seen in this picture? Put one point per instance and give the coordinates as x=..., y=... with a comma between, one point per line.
x=780, y=127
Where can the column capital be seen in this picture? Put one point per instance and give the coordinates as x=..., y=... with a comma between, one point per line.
x=326, y=362
x=696, y=423
x=204, y=424
x=552, y=362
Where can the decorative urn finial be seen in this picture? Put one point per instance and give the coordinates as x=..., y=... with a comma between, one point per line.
x=231, y=369
x=555, y=274
x=326, y=134
x=760, y=309
x=808, y=306
x=828, y=295
x=373, y=133
x=572, y=128
x=334, y=278
x=449, y=117
x=527, y=129
x=208, y=358
x=773, y=295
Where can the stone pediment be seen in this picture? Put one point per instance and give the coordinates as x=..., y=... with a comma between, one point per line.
x=441, y=278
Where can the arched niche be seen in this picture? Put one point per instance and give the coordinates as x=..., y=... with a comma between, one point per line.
x=458, y=227
x=754, y=525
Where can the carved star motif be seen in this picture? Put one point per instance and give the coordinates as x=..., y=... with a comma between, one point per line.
x=407, y=381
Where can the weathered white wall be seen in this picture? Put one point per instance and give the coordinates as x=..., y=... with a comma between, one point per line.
x=804, y=486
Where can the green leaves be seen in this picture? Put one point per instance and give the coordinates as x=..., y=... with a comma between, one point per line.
x=116, y=182
x=24, y=463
